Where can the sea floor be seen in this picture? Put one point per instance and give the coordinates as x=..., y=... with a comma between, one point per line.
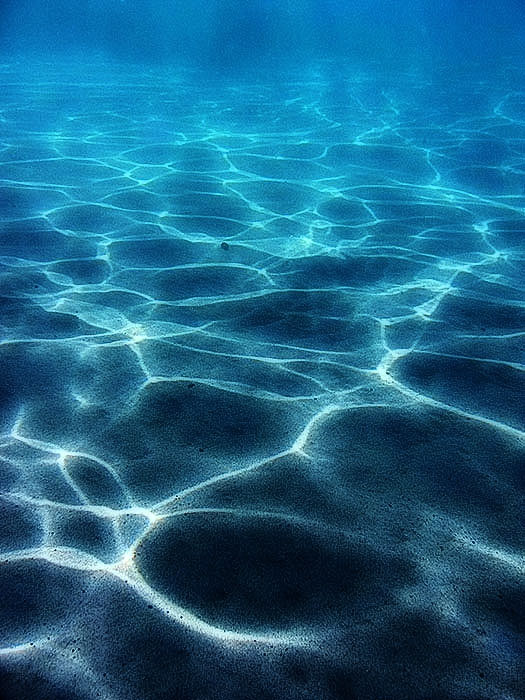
x=262, y=384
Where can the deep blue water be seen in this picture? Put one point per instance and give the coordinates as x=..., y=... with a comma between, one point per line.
x=262, y=350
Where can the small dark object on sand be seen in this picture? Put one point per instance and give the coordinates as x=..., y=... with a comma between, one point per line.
x=225, y=246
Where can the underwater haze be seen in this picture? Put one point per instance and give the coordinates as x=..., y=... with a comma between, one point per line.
x=262, y=350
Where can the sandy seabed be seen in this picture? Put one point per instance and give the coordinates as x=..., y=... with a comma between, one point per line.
x=262, y=387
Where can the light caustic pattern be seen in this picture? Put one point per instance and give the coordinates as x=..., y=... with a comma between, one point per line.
x=262, y=386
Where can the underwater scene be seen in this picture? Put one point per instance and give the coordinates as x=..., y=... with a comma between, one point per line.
x=262, y=350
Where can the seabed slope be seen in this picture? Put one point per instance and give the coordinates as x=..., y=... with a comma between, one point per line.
x=262, y=387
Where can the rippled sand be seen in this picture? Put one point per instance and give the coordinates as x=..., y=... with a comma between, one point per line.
x=262, y=387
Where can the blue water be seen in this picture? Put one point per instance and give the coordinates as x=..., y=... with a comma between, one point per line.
x=262, y=350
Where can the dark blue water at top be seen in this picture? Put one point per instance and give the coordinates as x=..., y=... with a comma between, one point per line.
x=262, y=350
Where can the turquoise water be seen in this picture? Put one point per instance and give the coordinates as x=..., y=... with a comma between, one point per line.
x=261, y=352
